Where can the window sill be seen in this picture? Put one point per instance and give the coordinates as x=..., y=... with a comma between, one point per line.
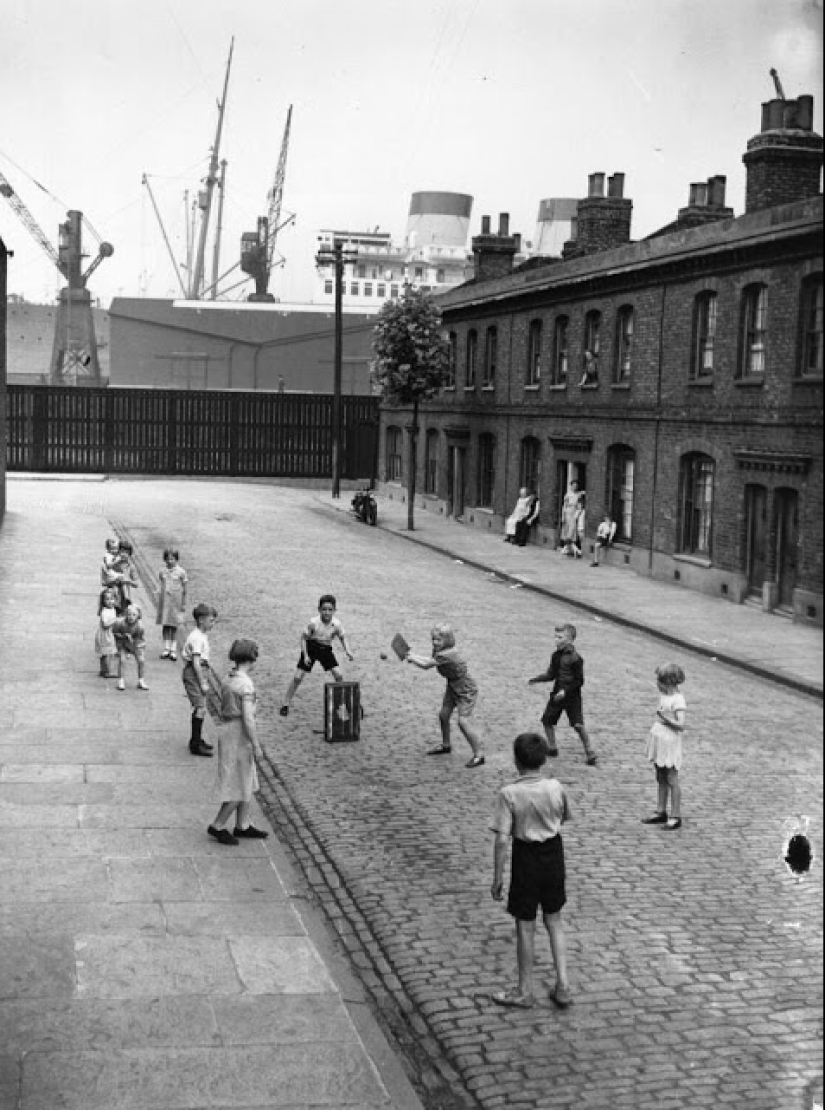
x=589, y=385
x=532, y=388
x=701, y=383
x=558, y=387
x=621, y=385
x=750, y=383
x=483, y=509
x=695, y=560
x=812, y=379
x=488, y=389
x=469, y=389
x=448, y=389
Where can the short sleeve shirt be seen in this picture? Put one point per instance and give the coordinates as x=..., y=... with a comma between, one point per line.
x=532, y=808
x=321, y=633
x=234, y=691
x=197, y=643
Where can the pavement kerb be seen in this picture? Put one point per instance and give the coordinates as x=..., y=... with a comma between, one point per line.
x=385, y=1056
x=781, y=679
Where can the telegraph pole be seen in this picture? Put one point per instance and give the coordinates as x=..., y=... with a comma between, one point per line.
x=339, y=257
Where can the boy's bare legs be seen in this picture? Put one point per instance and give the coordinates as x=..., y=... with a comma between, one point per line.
x=444, y=721
x=590, y=755
x=121, y=682
x=295, y=682
x=550, y=733
x=525, y=955
x=558, y=944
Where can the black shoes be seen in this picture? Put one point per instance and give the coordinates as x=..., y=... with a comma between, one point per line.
x=251, y=833
x=656, y=819
x=284, y=710
x=201, y=749
x=223, y=836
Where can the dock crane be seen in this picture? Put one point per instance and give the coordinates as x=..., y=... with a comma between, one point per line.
x=258, y=247
x=74, y=352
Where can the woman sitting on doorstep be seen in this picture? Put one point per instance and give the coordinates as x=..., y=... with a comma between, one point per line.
x=524, y=515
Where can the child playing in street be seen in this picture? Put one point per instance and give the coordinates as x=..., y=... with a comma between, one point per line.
x=566, y=672
x=130, y=639
x=529, y=814
x=664, y=746
x=196, y=674
x=237, y=748
x=460, y=694
x=172, y=601
x=105, y=646
x=117, y=571
x=316, y=647
x=604, y=537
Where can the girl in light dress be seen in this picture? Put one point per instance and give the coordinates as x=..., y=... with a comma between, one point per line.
x=172, y=601
x=238, y=747
x=664, y=746
x=105, y=647
x=572, y=520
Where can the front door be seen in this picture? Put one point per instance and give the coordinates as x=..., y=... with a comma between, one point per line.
x=756, y=524
x=455, y=481
x=787, y=545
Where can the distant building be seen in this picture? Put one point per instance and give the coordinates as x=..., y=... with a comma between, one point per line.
x=678, y=379
x=433, y=256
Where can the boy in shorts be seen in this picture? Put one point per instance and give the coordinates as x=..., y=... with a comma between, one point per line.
x=529, y=814
x=195, y=676
x=316, y=647
x=566, y=672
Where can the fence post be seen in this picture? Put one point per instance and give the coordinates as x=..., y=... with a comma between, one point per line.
x=172, y=435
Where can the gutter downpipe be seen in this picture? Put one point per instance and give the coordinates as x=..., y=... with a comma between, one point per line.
x=657, y=429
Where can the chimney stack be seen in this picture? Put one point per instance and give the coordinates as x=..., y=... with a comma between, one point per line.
x=493, y=254
x=706, y=204
x=784, y=160
x=602, y=221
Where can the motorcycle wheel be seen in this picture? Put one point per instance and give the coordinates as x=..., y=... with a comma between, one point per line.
x=372, y=515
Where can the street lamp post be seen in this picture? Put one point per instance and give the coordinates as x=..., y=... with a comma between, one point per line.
x=339, y=257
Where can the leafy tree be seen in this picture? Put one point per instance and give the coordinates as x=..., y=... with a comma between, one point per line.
x=411, y=363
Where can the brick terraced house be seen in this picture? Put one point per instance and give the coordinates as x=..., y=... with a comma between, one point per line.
x=679, y=379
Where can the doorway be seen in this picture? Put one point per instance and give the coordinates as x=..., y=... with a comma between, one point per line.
x=567, y=471
x=756, y=527
x=456, y=478
x=787, y=545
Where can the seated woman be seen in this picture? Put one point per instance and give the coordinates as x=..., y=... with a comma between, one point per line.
x=524, y=515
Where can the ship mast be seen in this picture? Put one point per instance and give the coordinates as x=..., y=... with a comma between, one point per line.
x=205, y=195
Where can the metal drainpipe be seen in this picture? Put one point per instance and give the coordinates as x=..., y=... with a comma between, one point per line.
x=658, y=420
x=509, y=417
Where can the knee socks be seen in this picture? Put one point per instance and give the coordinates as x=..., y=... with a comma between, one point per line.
x=197, y=729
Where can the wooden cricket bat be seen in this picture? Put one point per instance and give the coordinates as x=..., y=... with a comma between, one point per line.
x=400, y=646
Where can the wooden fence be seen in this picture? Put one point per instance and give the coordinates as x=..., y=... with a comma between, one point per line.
x=167, y=431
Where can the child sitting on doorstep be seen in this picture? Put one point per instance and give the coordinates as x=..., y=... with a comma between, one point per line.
x=196, y=674
x=604, y=537
x=131, y=640
x=566, y=672
x=529, y=815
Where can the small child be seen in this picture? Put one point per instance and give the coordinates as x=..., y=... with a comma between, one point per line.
x=566, y=672
x=172, y=601
x=117, y=570
x=105, y=646
x=131, y=640
x=196, y=674
x=316, y=647
x=529, y=815
x=109, y=558
x=604, y=537
x=664, y=746
x=460, y=694
x=237, y=748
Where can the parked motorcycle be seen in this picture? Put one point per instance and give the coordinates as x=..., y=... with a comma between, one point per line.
x=365, y=506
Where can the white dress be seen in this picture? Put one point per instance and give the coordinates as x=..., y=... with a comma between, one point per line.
x=237, y=774
x=664, y=745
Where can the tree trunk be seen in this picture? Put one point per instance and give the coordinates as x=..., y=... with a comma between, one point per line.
x=411, y=470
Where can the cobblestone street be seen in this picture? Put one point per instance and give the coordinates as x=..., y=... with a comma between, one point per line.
x=695, y=957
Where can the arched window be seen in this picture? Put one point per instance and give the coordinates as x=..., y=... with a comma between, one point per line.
x=394, y=442
x=529, y=460
x=592, y=348
x=452, y=360
x=696, y=504
x=431, y=461
x=470, y=359
x=561, y=336
x=486, y=473
x=704, y=337
x=623, y=348
x=621, y=477
x=754, y=325
x=811, y=362
x=490, y=358
x=533, y=375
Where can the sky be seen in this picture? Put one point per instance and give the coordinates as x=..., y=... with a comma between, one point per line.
x=510, y=101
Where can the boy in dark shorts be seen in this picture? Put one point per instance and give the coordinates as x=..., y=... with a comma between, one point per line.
x=566, y=672
x=316, y=647
x=529, y=813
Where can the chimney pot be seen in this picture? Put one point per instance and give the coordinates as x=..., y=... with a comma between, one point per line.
x=692, y=196
x=595, y=185
x=485, y=225
x=805, y=113
x=615, y=186
x=776, y=115
x=717, y=185
x=504, y=223
x=517, y=238
x=701, y=194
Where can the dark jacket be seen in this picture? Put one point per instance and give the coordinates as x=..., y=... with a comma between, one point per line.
x=566, y=671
